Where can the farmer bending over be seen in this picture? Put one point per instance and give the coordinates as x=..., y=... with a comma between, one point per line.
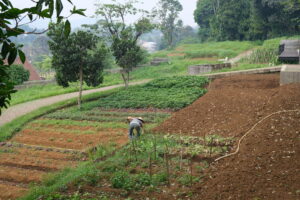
x=135, y=123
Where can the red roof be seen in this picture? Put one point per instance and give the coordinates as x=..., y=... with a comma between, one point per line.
x=34, y=76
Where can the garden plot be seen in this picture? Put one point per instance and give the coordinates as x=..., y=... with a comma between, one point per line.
x=99, y=132
x=22, y=166
x=154, y=166
x=60, y=140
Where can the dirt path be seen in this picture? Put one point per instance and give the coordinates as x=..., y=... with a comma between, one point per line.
x=240, y=56
x=21, y=109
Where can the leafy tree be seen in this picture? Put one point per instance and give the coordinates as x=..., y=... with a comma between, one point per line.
x=11, y=25
x=17, y=74
x=80, y=57
x=247, y=19
x=203, y=14
x=123, y=37
x=168, y=12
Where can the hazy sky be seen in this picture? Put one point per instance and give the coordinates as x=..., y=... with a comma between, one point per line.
x=76, y=20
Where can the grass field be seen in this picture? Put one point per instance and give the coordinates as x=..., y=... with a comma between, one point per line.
x=180, y=58
x=209, y=49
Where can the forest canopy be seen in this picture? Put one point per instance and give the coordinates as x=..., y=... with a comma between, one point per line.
x=247, y=19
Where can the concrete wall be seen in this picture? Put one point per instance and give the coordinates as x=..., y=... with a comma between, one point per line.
x=202, y=69
x=158, y=61
x=290, y=74
x=32, y=83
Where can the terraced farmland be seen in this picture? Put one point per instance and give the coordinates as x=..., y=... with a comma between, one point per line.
x=62, y=140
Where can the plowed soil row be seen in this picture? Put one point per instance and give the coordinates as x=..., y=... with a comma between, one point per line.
x=20, y=167
x=39, y=149
x=54, y=138
x=268, y=163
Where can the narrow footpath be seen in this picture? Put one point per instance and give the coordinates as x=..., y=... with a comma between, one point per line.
x=19, y=110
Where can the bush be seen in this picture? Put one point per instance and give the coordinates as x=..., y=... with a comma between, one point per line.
x=122, y=179
x=18, y=74
x=263, y=55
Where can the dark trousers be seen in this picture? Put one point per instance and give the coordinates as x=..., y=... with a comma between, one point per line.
x=137, y=127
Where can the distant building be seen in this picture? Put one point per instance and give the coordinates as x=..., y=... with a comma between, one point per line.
x=289, y=50
x=34, y=76
x=149, y=46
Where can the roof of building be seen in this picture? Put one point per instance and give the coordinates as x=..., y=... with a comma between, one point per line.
x=34, y=76
x=291, y=49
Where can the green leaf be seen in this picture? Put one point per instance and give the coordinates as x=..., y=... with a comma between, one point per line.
x=59, y=7
x=51, y=7
x=7, y=2
x=11, y=13
x=5, y=50
x=67, y=28
x=3, y=6
x=45, y=13
x=22, y=56
x=14, y=32
x=78, y=11
x=12, y=56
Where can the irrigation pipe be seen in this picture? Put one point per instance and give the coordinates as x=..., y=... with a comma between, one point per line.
x=253, y=127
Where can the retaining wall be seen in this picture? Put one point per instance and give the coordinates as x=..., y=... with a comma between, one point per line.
x=290, y=74
x=158, y=61
x=201, y=69
x=27, y=84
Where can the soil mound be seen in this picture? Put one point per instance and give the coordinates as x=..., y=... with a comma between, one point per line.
x=233, y=105
x=268, y=163
x=266, y=167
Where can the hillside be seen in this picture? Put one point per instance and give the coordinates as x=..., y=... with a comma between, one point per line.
x=267, y=164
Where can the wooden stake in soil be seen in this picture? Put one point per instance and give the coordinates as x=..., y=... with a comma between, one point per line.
x=181, y=153
x=155, y=147
x=134, y=148
x=150, y=166
x=130, y=151
x=167, y=164
x=191, y=170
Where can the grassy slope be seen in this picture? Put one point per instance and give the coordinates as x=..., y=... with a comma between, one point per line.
x=177, y=66
x=180, y=58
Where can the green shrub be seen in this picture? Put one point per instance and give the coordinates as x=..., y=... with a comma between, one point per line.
x=122, y=180
x=18, y=74
x=263, y=55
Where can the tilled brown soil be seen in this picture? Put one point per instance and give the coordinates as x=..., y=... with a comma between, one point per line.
x=53, y=138
x=40, y=149
x=21, y=166
x=268, y=163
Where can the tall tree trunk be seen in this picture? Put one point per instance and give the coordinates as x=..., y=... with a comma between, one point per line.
x=125, y=76
x=80, y=87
